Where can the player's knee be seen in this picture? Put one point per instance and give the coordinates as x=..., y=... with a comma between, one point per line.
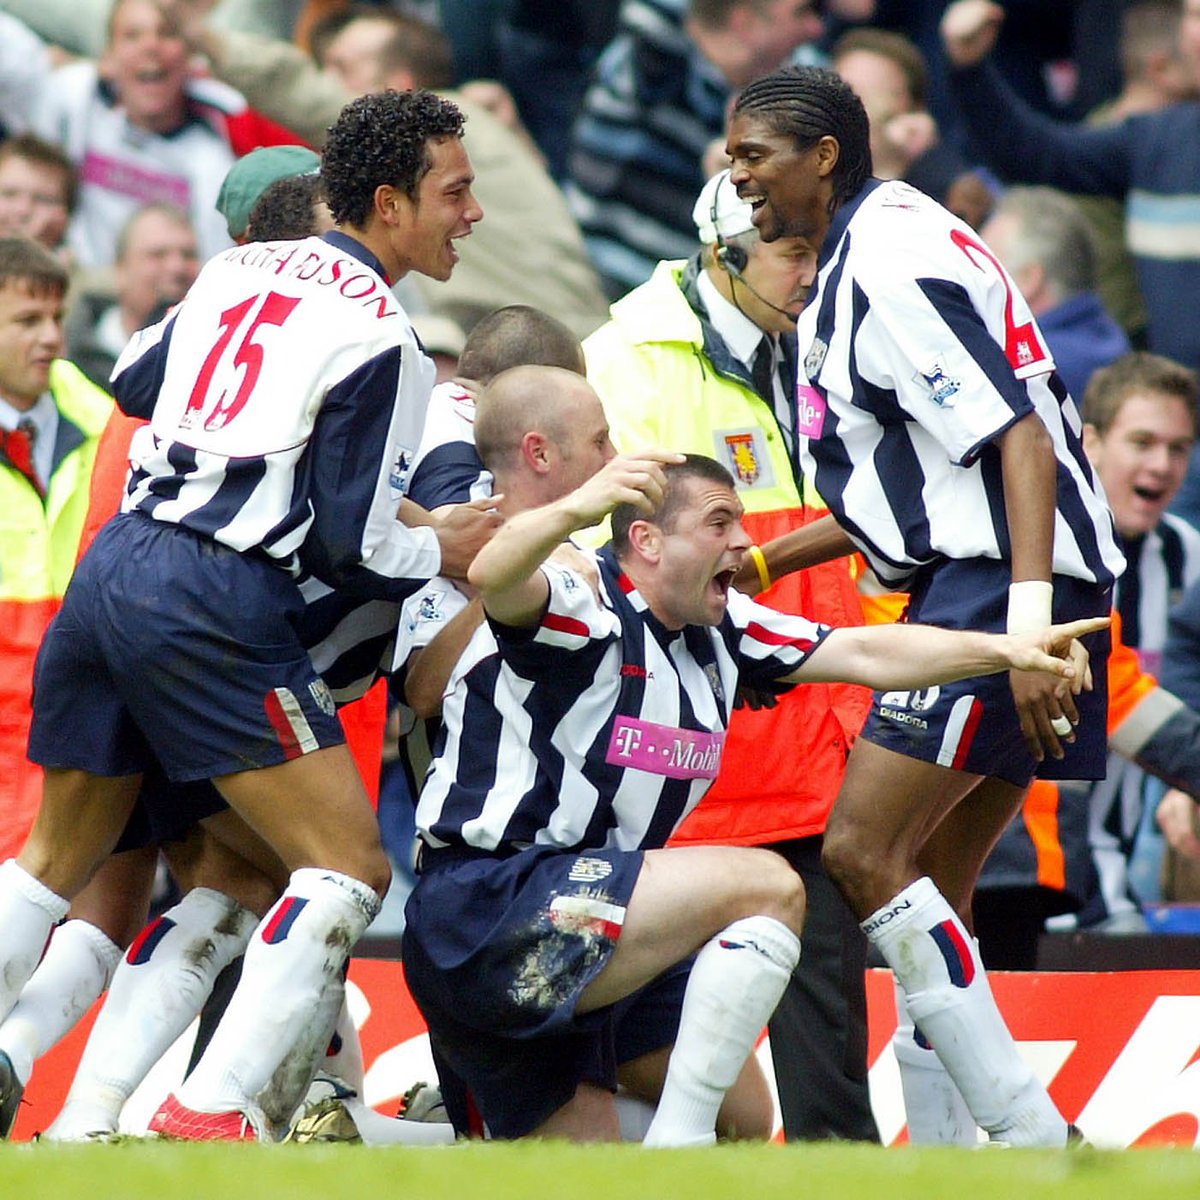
x=782, y=888
x=377, y=874
x=846, y=856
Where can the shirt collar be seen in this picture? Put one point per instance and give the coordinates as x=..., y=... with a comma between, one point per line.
x=842, y=218
x=43, y=414
x=735, y=329
x=351, y=245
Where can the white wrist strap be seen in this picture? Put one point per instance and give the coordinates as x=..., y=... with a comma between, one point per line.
x=1029, y=605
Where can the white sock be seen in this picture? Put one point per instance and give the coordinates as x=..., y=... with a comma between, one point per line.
x=301, y=944
x=733, y=989
x=946, y=990
x=28, y=911
x=160, y=985
x=344, y=1057
x=286, y=1089
x=76, y=968
x=937, y=1113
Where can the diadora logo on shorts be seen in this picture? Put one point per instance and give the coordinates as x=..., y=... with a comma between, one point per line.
x=893, y=705
x=886, y=918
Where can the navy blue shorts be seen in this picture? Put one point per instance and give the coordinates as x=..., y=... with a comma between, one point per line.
x=972, y=725
x=496, y=954
x=172, y=649
x=167, y=812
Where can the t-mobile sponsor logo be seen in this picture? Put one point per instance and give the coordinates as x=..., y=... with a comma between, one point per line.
x=665, y=749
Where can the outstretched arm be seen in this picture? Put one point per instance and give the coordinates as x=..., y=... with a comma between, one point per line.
x=905, y=656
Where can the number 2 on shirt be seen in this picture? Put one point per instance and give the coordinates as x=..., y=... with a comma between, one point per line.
x=275, y=310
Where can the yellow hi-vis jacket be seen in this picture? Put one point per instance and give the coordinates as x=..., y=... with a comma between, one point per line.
x=665, y=380
x=38, y=546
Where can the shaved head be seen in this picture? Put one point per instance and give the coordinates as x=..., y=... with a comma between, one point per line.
x=521, y=400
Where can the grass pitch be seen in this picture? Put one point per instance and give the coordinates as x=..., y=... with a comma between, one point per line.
x=555, y=1171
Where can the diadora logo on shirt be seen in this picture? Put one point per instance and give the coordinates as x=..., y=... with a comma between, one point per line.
x=430, y=608
x=942, y=386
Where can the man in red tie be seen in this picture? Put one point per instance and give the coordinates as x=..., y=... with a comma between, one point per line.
x=50, y=421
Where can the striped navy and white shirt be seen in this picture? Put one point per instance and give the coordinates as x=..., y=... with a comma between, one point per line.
x=917, y=353
x=286, y=396
x=446, y=468
x=599, y=727
x=1162, y=565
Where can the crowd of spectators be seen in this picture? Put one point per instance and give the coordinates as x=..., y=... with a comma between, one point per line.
x=1063, y=134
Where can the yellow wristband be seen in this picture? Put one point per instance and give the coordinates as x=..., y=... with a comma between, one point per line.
x=760, y=565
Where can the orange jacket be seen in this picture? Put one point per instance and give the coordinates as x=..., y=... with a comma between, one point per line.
x=782, y=768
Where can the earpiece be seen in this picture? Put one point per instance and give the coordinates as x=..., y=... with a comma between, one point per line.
x=731, y=258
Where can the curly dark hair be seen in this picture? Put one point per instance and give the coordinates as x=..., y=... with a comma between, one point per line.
x=285, y=211
x=807, y=104
x=382, y=138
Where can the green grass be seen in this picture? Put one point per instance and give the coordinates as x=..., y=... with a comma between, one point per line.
x=546, y=1171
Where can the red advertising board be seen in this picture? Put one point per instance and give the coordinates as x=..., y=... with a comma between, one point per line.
x=1118, y=1051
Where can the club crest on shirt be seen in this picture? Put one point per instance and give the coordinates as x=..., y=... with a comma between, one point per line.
x=320, y=692
x=942, y=386
x=814, y=360
x=589, y=870
x=430, y=608
x=714, y=681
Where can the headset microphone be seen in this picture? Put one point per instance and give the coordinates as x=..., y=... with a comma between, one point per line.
x=733, y=260
x=740, y=278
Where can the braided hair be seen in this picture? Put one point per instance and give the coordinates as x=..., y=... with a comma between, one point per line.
x=809, y=103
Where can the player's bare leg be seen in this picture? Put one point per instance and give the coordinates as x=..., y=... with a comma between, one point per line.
x=882, y=821
x=78, y=824
x=743, y=909
x=314, y=812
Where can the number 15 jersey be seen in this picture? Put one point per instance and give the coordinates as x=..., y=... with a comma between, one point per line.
x=286, y=395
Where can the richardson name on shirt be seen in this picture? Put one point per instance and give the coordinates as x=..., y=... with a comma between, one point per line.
x=348, y=277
